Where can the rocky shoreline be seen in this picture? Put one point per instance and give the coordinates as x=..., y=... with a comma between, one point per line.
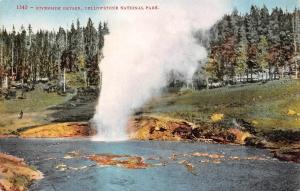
x=168, y=129
x=70, y=119
x=157, y=128
x=15, y=174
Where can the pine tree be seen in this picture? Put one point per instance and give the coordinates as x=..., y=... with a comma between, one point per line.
x=91, y=50
x=262, y=55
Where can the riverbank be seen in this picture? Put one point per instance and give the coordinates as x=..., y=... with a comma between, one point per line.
x=59, y=130
x=169, y=129
x=15, y=174
x=157, y=128
x=48, y=111
x=263, y=115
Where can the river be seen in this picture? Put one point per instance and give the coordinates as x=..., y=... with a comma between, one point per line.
x=239, y=168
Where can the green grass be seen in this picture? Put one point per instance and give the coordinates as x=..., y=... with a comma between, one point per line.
x=35, y=101
x=34, y=107
x=75, y=79
x=265, y=105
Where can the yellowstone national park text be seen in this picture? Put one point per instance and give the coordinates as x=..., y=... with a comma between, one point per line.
x=90, y=8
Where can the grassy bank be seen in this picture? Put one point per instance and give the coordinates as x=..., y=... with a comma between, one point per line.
x=34, y=106
x=267, y=106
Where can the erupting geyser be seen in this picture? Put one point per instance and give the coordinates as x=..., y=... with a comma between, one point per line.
x=142, y=47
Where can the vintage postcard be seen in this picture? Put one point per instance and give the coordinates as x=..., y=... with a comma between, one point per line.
x=142, y=95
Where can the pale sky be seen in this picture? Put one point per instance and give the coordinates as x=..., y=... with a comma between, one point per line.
x=9, y=15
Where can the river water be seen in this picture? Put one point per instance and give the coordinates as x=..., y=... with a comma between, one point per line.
x=241, y=168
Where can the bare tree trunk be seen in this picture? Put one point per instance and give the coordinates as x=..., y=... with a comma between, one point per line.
x=12, y=59
x=247, y=75
x=5, y=85
x=17, y=64
x=296, y=68
x=64, y=80
x=207, y=82
x=295, y=26
x=1, y=58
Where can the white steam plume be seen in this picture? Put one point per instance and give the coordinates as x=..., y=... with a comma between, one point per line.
x=142, y=47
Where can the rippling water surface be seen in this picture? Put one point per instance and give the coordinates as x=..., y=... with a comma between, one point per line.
x=240, y=168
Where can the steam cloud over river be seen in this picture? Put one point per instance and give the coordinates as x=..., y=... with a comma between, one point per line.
x=142, y=47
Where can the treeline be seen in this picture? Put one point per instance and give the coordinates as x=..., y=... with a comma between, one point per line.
x=259, y=45
x=28, y=56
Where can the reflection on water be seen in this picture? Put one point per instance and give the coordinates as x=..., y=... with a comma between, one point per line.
x=174, y=166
